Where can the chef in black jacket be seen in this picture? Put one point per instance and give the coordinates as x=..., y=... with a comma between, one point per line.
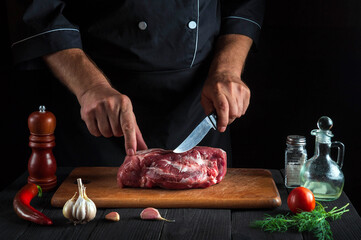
x=146, y=70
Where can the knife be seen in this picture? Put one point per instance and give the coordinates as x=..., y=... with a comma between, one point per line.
x=198, y=133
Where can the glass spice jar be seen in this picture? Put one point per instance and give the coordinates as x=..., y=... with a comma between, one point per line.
x=295, y=156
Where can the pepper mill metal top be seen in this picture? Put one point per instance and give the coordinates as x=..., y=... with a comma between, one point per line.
x=42, y=108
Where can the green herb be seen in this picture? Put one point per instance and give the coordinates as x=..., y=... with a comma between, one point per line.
x=315, y=221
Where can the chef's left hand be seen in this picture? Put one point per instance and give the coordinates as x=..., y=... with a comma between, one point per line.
x=226, y=93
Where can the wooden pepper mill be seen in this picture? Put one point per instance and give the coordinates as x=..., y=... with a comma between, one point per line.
x=42, y=164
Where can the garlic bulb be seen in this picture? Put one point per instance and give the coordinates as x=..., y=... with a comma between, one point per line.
x=82, y=210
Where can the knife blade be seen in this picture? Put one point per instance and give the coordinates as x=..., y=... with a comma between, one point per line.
x=198, y=133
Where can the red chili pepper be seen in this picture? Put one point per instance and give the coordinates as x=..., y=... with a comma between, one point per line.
x=22, y=206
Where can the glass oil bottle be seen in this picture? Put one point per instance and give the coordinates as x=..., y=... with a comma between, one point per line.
x=321, y=174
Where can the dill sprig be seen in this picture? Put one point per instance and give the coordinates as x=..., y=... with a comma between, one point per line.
x=314, y=221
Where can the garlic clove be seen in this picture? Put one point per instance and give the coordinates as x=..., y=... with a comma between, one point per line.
x=90, y=211
x=112, y=216
x=152, y=213
x=79, y=210
x=68, y=207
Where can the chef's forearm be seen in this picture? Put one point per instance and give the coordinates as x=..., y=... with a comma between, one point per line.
x=231, y=53
x=74, y=69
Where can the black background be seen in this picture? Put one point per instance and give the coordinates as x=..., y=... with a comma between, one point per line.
x=307, y=65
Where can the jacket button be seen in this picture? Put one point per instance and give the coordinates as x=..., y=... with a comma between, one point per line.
x=142, y=25
x=192, y=24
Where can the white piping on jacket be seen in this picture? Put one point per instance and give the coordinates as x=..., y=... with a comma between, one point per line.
x=249, y=20
x=39, y=34
x=196, y=46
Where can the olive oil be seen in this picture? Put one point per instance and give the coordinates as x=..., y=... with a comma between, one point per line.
x=324, y=191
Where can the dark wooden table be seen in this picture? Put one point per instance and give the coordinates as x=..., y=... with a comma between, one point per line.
x=190, y=223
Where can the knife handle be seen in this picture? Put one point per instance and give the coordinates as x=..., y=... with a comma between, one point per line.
x=213, y=118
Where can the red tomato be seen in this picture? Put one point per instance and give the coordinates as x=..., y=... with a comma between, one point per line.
x=301, y=199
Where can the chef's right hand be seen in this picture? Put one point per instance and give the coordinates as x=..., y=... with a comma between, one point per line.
x=109, y=113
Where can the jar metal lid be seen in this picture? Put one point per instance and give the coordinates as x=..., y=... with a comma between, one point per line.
x=296, y=140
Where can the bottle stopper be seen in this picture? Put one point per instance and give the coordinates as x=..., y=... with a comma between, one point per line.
x=323, y=133
x=324, y=123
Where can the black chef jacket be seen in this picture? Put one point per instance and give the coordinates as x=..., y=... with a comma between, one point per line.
x=156, y=52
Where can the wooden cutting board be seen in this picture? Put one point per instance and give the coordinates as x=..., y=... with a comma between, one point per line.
x=241, y=188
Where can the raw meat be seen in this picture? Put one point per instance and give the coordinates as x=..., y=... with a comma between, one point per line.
x=199, y=167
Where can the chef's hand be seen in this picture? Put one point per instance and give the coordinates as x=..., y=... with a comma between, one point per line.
x=105, y=111
x=226, y=93
x=223, y=90
x=108, y=113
